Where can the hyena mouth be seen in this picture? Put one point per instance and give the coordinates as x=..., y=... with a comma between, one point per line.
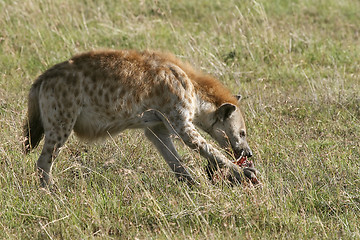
x=238, y=154
x=241, y=153
x=235, y=154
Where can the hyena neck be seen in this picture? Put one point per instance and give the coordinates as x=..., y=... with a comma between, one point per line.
x=205, y=114
x=210, y=94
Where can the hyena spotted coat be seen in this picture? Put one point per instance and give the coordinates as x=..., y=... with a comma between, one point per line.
x=101, y=93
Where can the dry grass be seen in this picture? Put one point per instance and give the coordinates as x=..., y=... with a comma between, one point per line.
x=295, y=62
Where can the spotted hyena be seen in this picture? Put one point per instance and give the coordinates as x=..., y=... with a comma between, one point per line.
x=102, y=93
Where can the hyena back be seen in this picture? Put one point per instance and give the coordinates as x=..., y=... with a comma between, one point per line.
x=102, y=93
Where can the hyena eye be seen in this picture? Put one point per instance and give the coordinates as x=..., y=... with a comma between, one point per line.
x=242, y=133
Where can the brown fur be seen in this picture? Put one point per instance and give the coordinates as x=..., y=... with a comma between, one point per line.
x=210, y=88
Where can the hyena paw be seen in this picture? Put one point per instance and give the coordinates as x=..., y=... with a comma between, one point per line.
x=250, y=173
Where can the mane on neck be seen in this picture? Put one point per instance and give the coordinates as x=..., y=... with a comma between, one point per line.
x=209, y=88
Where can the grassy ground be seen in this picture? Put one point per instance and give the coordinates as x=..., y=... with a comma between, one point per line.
x=295, y=62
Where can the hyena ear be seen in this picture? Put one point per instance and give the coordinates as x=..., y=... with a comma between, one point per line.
x=224, y=111
x=238, y=97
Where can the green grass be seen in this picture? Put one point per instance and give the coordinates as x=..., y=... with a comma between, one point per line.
x=296, y=63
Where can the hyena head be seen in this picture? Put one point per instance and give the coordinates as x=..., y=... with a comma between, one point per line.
x=229, y=130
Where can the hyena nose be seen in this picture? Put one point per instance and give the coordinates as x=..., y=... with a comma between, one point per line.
x=248, y=152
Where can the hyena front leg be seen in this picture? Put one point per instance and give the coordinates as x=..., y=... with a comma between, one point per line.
x=159, y=135
x=191, y=137
x=194, y=140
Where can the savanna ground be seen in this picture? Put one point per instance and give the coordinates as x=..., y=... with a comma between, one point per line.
x=296, y=63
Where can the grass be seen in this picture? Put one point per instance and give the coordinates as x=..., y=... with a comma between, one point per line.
x=296, y=63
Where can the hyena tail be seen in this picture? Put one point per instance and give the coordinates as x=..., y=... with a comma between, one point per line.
x=33, y=130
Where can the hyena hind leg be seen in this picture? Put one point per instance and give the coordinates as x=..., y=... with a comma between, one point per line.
x=54, y=140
